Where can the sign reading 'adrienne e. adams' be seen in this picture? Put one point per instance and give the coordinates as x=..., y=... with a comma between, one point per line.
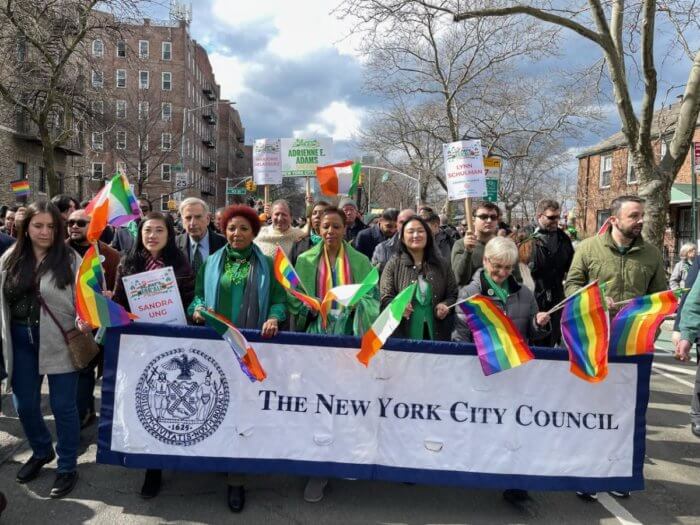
x=422, y=412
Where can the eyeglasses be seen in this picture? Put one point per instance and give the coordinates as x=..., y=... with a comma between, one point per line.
x=552, y=217
x=487, y=217
x=80, y=223
x=501, y=267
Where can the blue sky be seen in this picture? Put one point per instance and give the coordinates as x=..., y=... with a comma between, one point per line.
x=291, y=70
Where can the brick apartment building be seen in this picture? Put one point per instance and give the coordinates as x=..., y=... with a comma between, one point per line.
x=233, y=164
x=605, y=172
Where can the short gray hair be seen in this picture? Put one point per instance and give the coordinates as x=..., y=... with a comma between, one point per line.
x=283, y=202
x=501, y=249
x=683, y=252
x=189, y=201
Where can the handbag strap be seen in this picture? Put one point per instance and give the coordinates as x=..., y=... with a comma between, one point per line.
x=53, y=317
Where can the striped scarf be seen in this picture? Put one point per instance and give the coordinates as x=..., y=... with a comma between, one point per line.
x=330, y=277
x=153, y=263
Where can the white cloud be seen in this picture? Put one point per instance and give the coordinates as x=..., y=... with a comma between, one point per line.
x=301, y=27
x=337, y=120
x=230, y=74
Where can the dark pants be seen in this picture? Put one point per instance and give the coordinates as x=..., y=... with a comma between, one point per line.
x=695, y=403
x=86, y=386
x=26, y=386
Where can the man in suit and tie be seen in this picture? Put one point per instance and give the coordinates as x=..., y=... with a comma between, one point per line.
x=198, y=242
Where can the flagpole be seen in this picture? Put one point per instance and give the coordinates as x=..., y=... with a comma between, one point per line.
x=462, y=301
x=266, y=197
x=567, y=299
x=627, y=301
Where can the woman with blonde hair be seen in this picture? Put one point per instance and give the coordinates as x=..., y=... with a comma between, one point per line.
x=680, y=271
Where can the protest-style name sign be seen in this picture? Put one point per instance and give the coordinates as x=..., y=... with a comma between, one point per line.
x=464, y=169
x=422, y=412
x=154, y=297
x=301, y=157
x=267, y=161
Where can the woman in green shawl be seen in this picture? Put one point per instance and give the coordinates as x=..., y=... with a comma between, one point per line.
x=237, y=282
x=330, y=263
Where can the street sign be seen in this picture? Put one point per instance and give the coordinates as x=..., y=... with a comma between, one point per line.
x=235, y=191
x=491, y=190
x=180, y=181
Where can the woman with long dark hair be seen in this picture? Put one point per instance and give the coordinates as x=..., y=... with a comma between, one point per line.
x=37, y=303
x=427, y=315
x=155, y=248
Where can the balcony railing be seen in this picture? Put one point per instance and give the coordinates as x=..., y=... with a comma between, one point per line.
x=209, y=92
x=209, y=142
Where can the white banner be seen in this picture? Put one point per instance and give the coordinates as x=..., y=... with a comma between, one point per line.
x=186, y=397
x=154, y=297
x=301, y=157
x=464, y=169
x=267, y=161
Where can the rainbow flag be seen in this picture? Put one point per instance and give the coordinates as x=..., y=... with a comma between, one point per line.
x=585, y=328
x=634, y=327
x=284, y=271
x=384, y=326
x=341, y=178
x=93, y=307
x=20, y=188
x=499, y=344
x=348, y=295
x=247, y=359
x=115, y=204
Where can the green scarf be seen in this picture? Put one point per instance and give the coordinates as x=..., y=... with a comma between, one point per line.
x=237, y=264
x=500, y=291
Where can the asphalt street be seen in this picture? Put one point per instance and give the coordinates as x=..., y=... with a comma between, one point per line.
x=107, y=494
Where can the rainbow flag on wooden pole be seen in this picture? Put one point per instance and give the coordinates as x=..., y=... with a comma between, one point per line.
x=585, y=328
x=634, y=327
x=91, y=306
x=499, y=344
x=20, y=188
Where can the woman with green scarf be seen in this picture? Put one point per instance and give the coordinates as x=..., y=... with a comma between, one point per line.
x=333, y=262
x=237, y=282
x=495, y=281
x=417, y=261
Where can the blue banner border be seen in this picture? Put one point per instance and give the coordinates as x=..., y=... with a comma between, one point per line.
x=350, y=470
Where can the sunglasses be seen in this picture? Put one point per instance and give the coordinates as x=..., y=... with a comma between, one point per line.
x=487, y=217
x=552, y=217
x=80, y=223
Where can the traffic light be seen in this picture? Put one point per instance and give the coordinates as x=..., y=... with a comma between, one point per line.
x=250, y=185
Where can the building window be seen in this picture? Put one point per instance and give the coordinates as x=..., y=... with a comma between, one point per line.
x=164, y=202
x=143, y=170
x=121, y=78
x=167, y=53
x=98, y=107
x=21, y=170
x=166, y=112
x=144, y=80
x=97, y=79
x=143, y=143
x=121, y=109
x=165, y=172
x=42, y=180
x=143, y=110
x=606, y=165
x=121, y=139
x=167, y=81
x=61, y=182
x=97, y=141
x=121, y=49
x=601, y=217
x=98, y=169
x=166, y=141
x=631, y=172
x=121, y=167
x=663, y=149
x=98, y=48
x=143, y=48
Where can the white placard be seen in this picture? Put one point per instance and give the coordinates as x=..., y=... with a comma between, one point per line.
x=154, y=297
x=301, y=157
x=464, y=169
x=412, y=410
x=267, y=161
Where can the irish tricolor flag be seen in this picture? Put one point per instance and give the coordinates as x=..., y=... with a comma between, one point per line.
x=348, y=295
x=385, y=325
x=340, y=178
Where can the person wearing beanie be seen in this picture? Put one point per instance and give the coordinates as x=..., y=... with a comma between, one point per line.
x=354, y=224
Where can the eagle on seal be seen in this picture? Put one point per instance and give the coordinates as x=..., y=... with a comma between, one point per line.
x=185, y=365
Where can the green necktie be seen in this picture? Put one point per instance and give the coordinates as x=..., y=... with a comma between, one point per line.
x=196, y=259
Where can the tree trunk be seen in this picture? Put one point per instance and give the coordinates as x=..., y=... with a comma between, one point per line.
x=49, y=157
x=655, y=188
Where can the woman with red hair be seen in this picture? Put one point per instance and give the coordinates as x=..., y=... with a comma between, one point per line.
x=237, y=282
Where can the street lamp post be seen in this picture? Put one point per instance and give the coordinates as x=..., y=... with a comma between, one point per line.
x=396, y=172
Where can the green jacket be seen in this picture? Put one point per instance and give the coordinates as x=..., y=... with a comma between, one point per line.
x=690, y=315
x=306, y=268
x=638, y=272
